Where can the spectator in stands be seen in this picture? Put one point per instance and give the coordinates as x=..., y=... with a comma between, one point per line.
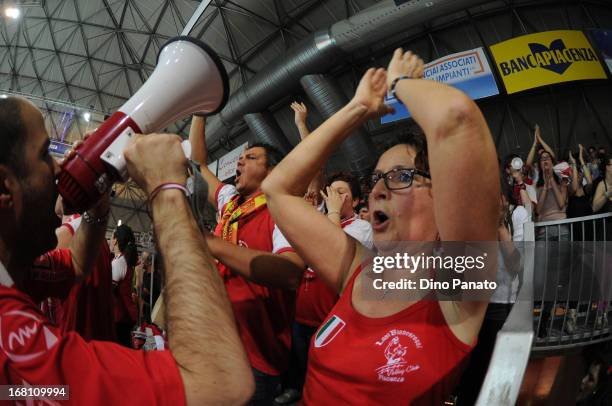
x=100, y=373
x=539, y=146
x=88, y=309
x=594, y=163
x=148, y=291
x=406, y=207
x=123, y=243
x=522, y=188
x=552, y=204
x=260, y=269
x=580, y=193
x=552, y=191
x=602, y=199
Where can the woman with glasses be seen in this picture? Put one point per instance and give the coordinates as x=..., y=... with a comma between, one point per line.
x=383, y=350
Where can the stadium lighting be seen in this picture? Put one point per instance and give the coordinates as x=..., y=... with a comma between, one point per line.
x=12, y=12
x=119, y=223
x=87, y=116
x=3, y=96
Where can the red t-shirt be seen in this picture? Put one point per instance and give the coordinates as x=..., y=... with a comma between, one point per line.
x=411, y=357
x=34, y=352
x=88, y=307
x=314, y=298
x=263, y=315
x=94, y=301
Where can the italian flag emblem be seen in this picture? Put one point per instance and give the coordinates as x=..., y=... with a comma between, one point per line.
x=329, y=331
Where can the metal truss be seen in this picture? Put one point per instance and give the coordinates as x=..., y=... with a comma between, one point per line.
x=70, y=56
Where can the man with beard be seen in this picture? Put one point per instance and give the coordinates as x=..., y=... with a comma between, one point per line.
x=34, y=352
x=259, y=267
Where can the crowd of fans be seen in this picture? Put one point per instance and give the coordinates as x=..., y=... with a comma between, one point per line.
x=270, y=306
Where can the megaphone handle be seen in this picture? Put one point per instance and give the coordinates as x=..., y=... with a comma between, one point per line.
x=113, y=155
x=186, y=148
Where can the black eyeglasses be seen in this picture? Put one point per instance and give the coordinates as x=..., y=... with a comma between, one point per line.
x=398, y=178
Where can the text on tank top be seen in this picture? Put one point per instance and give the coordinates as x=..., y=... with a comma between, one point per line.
x=411, y=357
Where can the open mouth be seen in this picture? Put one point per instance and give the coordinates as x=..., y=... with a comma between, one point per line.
x=238, y=173
x=379, y=220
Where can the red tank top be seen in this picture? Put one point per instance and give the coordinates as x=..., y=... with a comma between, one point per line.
x=411, y=357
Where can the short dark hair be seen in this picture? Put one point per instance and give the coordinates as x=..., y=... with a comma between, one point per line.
x=273, y=154
x=12, y=135
x=127, y=244
x=349, y=179
x=412, y=134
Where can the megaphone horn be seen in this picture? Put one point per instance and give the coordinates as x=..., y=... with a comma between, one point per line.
x=189, y=77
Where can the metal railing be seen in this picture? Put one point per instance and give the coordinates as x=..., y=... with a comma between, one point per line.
x=584, y=236
x=572, y=300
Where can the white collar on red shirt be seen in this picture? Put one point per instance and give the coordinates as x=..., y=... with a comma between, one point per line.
x=5, y=278
x=348, y=221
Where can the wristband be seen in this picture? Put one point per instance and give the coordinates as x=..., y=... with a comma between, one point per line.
x=394, y=84
x=167, y=186
x=333, y=212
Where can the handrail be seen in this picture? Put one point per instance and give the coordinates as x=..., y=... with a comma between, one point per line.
x=572, y=220
x=513, y=343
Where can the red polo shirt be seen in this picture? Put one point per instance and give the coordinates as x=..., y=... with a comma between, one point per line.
x=264, y=315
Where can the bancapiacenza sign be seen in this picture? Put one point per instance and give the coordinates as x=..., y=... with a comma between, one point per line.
x=545, y=58
x=556, y=58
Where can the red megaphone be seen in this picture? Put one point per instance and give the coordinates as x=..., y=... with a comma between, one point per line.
x=189, y=77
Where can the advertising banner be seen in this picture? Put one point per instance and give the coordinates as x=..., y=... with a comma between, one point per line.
x=468, y=71
x=228, y=162
x=58, y=148
x=546, y=58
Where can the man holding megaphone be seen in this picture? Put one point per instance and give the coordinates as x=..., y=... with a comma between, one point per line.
x=33, y=352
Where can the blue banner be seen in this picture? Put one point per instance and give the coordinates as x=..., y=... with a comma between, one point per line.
x=468, y=71
x=58, y=148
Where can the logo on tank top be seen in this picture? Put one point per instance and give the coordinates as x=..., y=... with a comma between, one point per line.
x=23, y=336
x=329, y=331
x=397, y=345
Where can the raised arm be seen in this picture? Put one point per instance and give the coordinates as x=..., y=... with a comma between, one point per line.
x=300, y=113
x=574, y=183
x=532, y=151
x=585, y=169
x=196, y=301
x=199, y=154
x=601, y=197
x=320, y=243
x=85, y=245
x=546, y=147
x=560, y=192
x=283, y=270
x=454, y=127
